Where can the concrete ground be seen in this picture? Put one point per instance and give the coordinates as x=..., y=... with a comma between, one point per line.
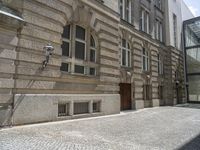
x=148, y=129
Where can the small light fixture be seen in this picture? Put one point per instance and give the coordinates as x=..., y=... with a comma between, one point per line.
x=128, y=73
x=48, y=52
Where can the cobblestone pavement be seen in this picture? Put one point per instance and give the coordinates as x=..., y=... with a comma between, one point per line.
x=149, y=129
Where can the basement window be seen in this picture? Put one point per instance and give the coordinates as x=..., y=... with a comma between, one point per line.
x=64, y=67
x=96, y=107
x=81, y=108
x=79, y=69
x=63, y=110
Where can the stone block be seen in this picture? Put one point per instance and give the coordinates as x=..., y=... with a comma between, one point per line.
x=155, y=102
x=139, y=104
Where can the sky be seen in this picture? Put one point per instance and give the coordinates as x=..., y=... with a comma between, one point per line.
x=194, y=6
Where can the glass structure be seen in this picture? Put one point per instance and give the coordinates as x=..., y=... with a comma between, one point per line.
x=191, y=31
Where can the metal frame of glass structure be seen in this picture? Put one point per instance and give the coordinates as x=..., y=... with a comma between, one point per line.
x=191, y=37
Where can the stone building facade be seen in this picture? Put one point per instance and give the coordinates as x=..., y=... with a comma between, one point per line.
x=108, y=56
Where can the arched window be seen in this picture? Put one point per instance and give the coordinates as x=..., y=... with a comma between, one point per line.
x=125, y=54
x=79, y=50
x=145, y=60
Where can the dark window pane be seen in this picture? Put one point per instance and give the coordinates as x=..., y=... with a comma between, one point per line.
x=64, y=67
x=79, y=69
x=123, y=43
x=80, y=50
x=129, y=61
x=65, y=48
x=144, y=51
x=92, y=55
x=128, y=46
x=92, y=42
x=81, y=108
x=96, y=107
x=144, y=63
x=92, y=71
x=80, y=33
x=123, y=57
x=66, y=32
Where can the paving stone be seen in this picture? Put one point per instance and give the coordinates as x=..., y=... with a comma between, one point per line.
x=164, y=128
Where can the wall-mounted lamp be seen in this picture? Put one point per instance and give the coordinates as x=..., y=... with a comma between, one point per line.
x=48, y=52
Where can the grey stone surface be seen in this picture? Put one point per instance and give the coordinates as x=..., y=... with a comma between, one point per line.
x=156, y=128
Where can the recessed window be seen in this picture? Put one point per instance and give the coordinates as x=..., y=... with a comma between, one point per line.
x=65, y=48
x=175, y=29
x=145, y=60
x=81, y=108
x=79, y=69
x=80, y=50
x=159, y=30
x=79, y=43
x=66, y=41
x=125, y=10
x=144, y=21
x=80, y=33
x=96, y=107
x=159, y=4
x=160, y=92
x=147, y=91
x=92, y=71
x=66, y=32
x=63, y=110
x=64, y=67
x=125, y=54
x=160, y=65
x=92, y=50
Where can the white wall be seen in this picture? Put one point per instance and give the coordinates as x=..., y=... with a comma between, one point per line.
x=182, y=12
x=186, y=13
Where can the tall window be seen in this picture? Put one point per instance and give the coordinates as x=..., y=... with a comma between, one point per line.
x=160, y=92
x=159, y=4
x=125, y=10
x=145, y=60
x=66, y=41
x=160, y=65
x=159, y=30
x=78, y=43
x=147, y=91
x=175, y=29
x=125, y=54
x=144, y=21
x=92, y=50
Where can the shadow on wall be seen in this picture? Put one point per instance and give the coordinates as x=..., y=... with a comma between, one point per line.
x=193, y=144
x=10, y=111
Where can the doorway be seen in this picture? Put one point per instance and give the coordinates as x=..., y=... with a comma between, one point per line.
x=125, y=95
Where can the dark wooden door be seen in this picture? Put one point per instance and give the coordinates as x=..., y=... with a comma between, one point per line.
x=125, y=93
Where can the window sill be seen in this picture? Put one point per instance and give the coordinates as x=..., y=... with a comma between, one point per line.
x=146, y=72
x=159, y=9
x=130, y=24
x=126, y=67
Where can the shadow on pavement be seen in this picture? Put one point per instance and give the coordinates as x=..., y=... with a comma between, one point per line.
x=189, y=105
x=194, y=144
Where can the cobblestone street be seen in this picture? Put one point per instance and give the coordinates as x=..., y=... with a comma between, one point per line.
x=156, y=128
